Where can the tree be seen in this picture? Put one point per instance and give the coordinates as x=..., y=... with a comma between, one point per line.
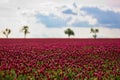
x=94, y=31
x=69, y=32
x=6, y=32
x=25, y=30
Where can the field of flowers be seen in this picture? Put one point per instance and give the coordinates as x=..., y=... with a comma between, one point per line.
x=59, y=59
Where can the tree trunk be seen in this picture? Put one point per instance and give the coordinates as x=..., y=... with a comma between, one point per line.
x=68, y=36
x=25, y=36
x=6, y=36
x=95, y=36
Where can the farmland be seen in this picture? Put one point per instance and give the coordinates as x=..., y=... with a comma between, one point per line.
x=59, y=59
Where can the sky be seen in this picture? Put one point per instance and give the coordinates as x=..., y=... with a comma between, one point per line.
x=49, y=18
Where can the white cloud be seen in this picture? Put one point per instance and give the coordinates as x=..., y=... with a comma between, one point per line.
x=3, y=1
x=115, y=3
x=109, y=33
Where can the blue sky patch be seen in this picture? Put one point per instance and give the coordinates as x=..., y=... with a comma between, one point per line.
x=81, y=24
x=105, y=18
x=69, y=11
x=51, y=20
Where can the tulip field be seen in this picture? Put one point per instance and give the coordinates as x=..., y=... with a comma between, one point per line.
x=59, y=59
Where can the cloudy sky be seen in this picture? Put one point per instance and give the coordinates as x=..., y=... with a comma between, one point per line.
x=49, y=18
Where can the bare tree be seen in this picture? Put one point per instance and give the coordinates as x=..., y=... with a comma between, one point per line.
x=6, y=32
x=95, y=31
